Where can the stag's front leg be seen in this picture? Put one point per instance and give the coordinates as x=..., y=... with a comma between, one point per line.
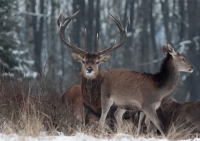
x=106, y=104
x=85, y=117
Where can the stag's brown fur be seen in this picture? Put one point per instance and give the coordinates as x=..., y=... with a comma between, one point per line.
x=91, y=92
x=90, y=87
x=84, y=101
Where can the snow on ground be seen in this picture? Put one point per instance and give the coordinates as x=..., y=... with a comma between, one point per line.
x=79, y=137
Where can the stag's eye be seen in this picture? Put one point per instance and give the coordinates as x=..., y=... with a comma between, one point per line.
x=97, y=62
x=183, y=59
x=83, y=61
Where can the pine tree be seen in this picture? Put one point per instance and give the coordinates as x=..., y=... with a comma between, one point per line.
x=11, y=62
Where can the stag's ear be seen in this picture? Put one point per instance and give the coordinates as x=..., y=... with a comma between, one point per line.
x=77, y=57
x=169, y=49
x=104, y=58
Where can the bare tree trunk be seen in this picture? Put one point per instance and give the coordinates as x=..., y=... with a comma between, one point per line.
x=182, y=15
x=152, y=28
x=144, y=38
x=128, y=47
x=38, y=35
x=28, y=38
x=97, y=16
x=194, y=55
x=90, y=26
x=125, y=11
x=153, y=46
x=51, y=32
x=52, y=45
x=131, y=29
x=165, y=12
x=77, y=36
x=76, y=24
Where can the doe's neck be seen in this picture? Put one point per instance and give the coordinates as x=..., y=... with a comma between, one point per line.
x=168, y=76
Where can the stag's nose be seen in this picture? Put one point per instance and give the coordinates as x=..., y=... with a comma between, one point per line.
x=89, y=69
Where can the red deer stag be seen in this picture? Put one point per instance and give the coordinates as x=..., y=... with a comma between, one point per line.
x=142, y=91
x=89, y=91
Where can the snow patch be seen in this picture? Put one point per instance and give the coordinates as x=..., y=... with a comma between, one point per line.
x=80, y=137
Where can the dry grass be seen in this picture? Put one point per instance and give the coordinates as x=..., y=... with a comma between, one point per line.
x=24, y=112
x=183, y=129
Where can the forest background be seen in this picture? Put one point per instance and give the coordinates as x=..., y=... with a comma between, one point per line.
x=31, y=50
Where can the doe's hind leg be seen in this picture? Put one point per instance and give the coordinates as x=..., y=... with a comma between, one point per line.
x=152, y=115
x=140, y=122
x=105, y=104
x=119, y=116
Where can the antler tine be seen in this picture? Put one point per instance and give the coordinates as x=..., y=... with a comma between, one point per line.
x=58, y=20
x=97, y=45
x=123, y=32
x=119, y=24
x=62, y=25
x=128, y=24
x=85, y=47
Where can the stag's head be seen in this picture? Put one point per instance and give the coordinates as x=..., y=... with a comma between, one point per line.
x=178, y=59
x=90, y=62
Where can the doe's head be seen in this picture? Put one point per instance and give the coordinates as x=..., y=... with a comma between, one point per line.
x=178, y=59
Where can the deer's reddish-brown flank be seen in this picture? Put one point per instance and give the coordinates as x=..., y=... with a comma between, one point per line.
x=72, y=98
x=128, y=89
x=91, y=76
x=185, y=115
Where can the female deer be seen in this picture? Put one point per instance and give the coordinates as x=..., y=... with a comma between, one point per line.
x=142, y=91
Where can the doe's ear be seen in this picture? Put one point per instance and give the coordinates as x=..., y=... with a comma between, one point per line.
x=169, y=49
x=77, y=57
x=165, y=50
x=104, y=58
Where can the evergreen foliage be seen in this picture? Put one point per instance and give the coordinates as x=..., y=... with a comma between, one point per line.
x=11, y=62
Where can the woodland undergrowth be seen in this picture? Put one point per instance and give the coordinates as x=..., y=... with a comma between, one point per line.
x=27, y=110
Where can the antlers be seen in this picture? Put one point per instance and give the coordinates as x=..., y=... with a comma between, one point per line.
x=63, y=22
x=123, y=32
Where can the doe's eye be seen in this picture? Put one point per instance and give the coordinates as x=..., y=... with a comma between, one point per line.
x=97, y=62
x=83, y=62
x=183, y=59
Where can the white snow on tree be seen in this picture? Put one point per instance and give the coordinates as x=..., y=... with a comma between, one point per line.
x=12, y=62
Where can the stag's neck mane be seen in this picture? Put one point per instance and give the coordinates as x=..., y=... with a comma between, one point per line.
x=91, y=90
x=168, y=75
